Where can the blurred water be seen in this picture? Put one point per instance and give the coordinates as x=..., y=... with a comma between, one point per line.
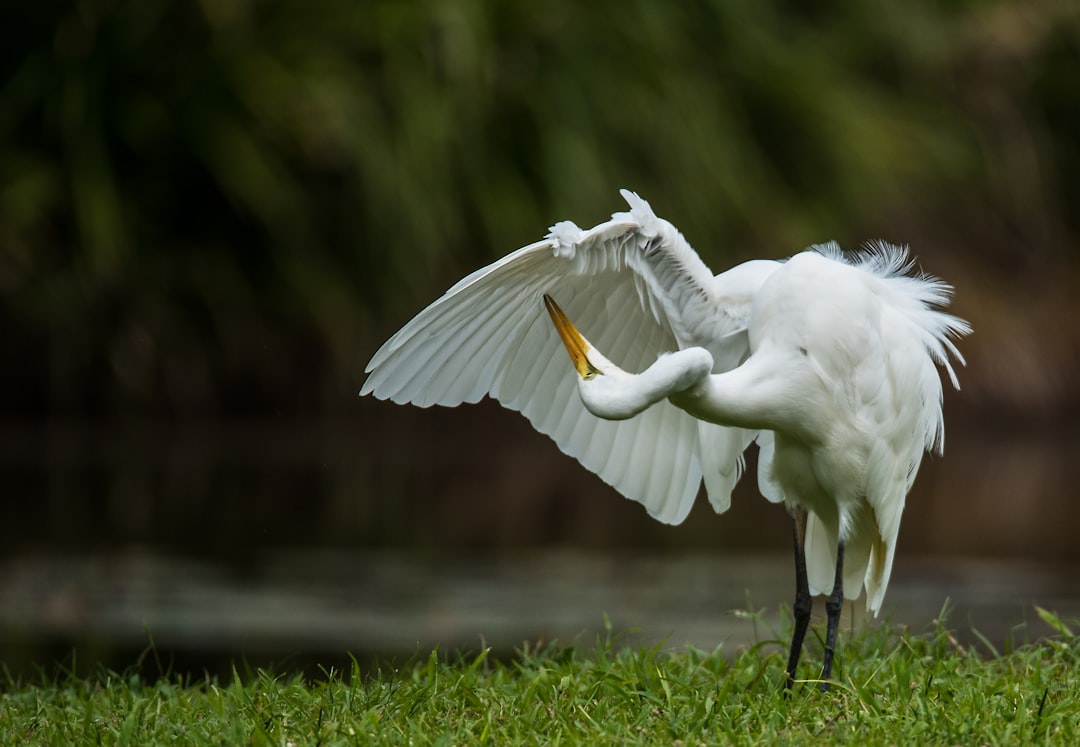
x=407, y=529
x=297, y=608
x=469, y=478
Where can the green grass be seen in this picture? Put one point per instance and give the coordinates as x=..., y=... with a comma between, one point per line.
x=892, y=687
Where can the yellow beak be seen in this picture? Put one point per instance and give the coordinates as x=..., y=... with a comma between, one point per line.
x=575, y=344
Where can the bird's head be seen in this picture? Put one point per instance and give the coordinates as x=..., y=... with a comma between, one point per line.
x=611, y=393
x=579, y=348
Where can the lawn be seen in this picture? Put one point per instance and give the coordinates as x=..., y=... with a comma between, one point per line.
x=892, y=686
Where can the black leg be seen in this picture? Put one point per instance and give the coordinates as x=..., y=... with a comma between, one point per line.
x=801, y=609
x=833, y=606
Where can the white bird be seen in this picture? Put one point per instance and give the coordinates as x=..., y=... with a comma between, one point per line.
x=828, y=362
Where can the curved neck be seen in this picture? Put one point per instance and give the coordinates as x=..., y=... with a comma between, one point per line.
x=752, y=396
x=618, y=395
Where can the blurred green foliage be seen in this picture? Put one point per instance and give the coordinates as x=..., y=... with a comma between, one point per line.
x=222, y=207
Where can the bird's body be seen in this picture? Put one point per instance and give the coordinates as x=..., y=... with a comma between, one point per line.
x=842, y=380
x=829, y=363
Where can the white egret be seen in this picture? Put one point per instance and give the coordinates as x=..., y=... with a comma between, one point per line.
x=829, y=362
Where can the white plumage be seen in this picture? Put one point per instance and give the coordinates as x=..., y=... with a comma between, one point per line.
x=829, y=362
x=643, y=291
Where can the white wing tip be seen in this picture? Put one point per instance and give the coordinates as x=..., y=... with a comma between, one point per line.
x=564, y=237
x=632, y=198
x=640, y=210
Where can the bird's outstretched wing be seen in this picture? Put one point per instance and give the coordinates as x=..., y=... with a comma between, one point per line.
x=637, y=289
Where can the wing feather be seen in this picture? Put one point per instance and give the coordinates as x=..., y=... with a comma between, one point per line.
x=637, y=290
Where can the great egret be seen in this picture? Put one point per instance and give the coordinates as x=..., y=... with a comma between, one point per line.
x=829, y=362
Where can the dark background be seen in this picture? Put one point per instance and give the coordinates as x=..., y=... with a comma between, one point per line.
x=211, y=215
